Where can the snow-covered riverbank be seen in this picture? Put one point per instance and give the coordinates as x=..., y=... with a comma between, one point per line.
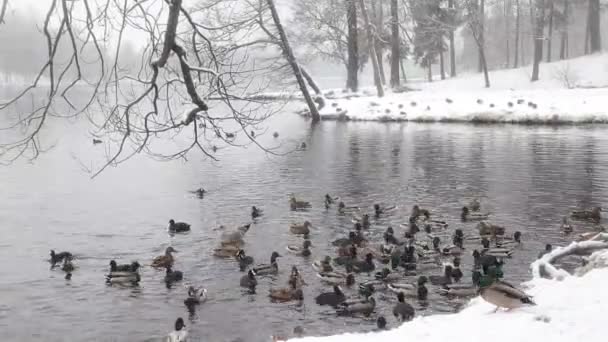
x=573, y=91
x=569, y=310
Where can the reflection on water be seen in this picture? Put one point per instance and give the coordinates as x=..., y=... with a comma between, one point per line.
x=528, y=177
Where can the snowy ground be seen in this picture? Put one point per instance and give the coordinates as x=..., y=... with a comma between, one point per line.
x=573, y=91
x=569, y=310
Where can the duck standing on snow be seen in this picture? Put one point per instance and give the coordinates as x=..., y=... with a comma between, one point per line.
x=249, y=281
x=59, y=257
x=180, y=334
x=163, y=261
x=266, y=269
x=503, y=294
x=593, y=215
x=178, y=227
x=301, y=251
x=402, y=310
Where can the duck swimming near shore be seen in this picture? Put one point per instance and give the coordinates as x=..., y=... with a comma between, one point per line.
x=178, y=227
x=503, y=295
x=165, y=260
x=593, y=214
x=403, y=311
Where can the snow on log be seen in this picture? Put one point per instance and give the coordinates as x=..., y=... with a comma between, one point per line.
x=544, y=267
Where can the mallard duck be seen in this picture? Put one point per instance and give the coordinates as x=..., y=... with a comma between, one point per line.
x=342, y=208
x=200, y=192
x=474, y=205
x=467, y=215
x=389, y=237
x=498, y=252
x=255, y=212
x=444, y=279
x=243, y=260
x=130, y=276
x=338, y=278
x=294, y=204
x=458, y=238
x=235, y=236
x=96, y=141
x=378, y=210
x=132, y=267
x=363, y=221
x=345, y=242
x=286, y=295
x=249, y=281
x=303, y=250
x=172, y=276
x=364, y=266
x=295, y=278
x=566, y=227
x=347, y=258
x=387, y=276
x=303, y=228
x=272, y=268
x=418, y=290
x=196, y=296
x=227, y=251
x=178, y=227
x=403, y=311
x=593, y=214
x=418, y=213
x=381, y=323
x=67, y=266
x=331, y=298
x=362, y=306
x=59, y=257
x=548, y=249
x=323, y=265
x=486, y=228
x=503, y=295
x=164, y=260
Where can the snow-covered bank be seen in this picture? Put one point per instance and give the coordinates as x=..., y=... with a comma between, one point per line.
x=572, y=91
x=569, y=310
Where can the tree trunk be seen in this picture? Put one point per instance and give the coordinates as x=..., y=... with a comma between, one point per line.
x=550, y=33
x=481, y=39
x=372, y=49
x=595, y=38
x=563, y=49
x=377, y=18
x=291, y=59
x=587, y=30
x=429, y=71
x=352, y=78
x=452, y=45
x=538, y=38
x=311, y=82
x=441, y=65
x=395, y=51
x=517, y=29
x=403, y=75
x=508, y=8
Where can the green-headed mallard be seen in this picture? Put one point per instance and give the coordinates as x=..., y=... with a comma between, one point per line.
x=166, y=260
x=178, y=227
x=266, y=269
x=303, y=250
x=323, y=265
x=361, y=306
x=338, y=278
x=502, y=294
x=593, y=214
x=294, y=204
x=303, y=228
x=467, y=215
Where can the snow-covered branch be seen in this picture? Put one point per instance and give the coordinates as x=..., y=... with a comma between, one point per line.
x=544, y=267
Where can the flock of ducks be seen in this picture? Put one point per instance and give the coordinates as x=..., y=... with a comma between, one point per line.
x=425, y=249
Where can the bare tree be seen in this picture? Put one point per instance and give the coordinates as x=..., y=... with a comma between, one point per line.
x=563, y=49
x=190, y=86
x=3, y=10
x=372, y=49
x=517, y=33
x=508, y=7
x=377, y=17
x=595, y=38
x=539, y=11
x=352, y=79
x=451, y=5
x=550, y=33
x=480, y=40
x=395, y=44
x=474, y=23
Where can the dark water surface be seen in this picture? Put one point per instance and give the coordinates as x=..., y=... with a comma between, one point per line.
x=527, y=176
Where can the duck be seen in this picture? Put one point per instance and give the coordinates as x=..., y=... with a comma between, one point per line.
x=363, y=221
x=266, y=269
x=163, y=261
x=462, y=290
x=130, y=276
x=486, y=228
x=364, y=266
x=59, y=257
x=514, y=241
x=255, y=212
x=227, y=251
x=303, y=228
x=243, y=260
x=444, y=279
x=593, y=214
x=200, y=192
x=387, y=276
x=97, y=141
x=329, y=200
x=403, y=311
x=381, y=323
x=132, y=267
x=323, y=265
x=378, y=210
x=389, y=237
x=249, y=280
x=458, y=238
x=172, y=276
x=417, y=213
x=331, y=298
x=294, y=204
x=286, y=295
x=566, y=227
x=178, y=227
x=418, y=290
x=503, y=295
x=235, y=236
x=345, y=242
x=362, y=306
x=467, y=215
x=474, y=205
x=346, y=257
x=338, y=278
x=67, y=266
x=304, y=250
x=342, y=208
x=456, y=271
x=295, y=278
x=196, y=296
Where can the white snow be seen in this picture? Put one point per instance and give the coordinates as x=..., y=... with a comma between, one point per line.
x=569, y=310
x=551, y=100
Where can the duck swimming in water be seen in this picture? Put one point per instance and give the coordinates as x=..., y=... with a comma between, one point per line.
x=331, y=298
x=166, y=260
x=236, y=237
x=418, y=290
x=124, y=276
x=59, y=257
x=294, y=204
x=286, y=295
x=249, y=281
x=172, y=276
x=266, y=269
x=467, y=215
x=364, y=266
x=67, y=266
x=295, y=278
x=178, y=227
x=200, y=192
x=304, y=250
x=255, y=212
x=593, y=215
x=362, y=306
x=304, y=228
x=243, y=260
x=323, y=265
x=132, y=267
x=196, y=296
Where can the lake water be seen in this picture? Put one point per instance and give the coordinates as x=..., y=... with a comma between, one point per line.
x=528, y=177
